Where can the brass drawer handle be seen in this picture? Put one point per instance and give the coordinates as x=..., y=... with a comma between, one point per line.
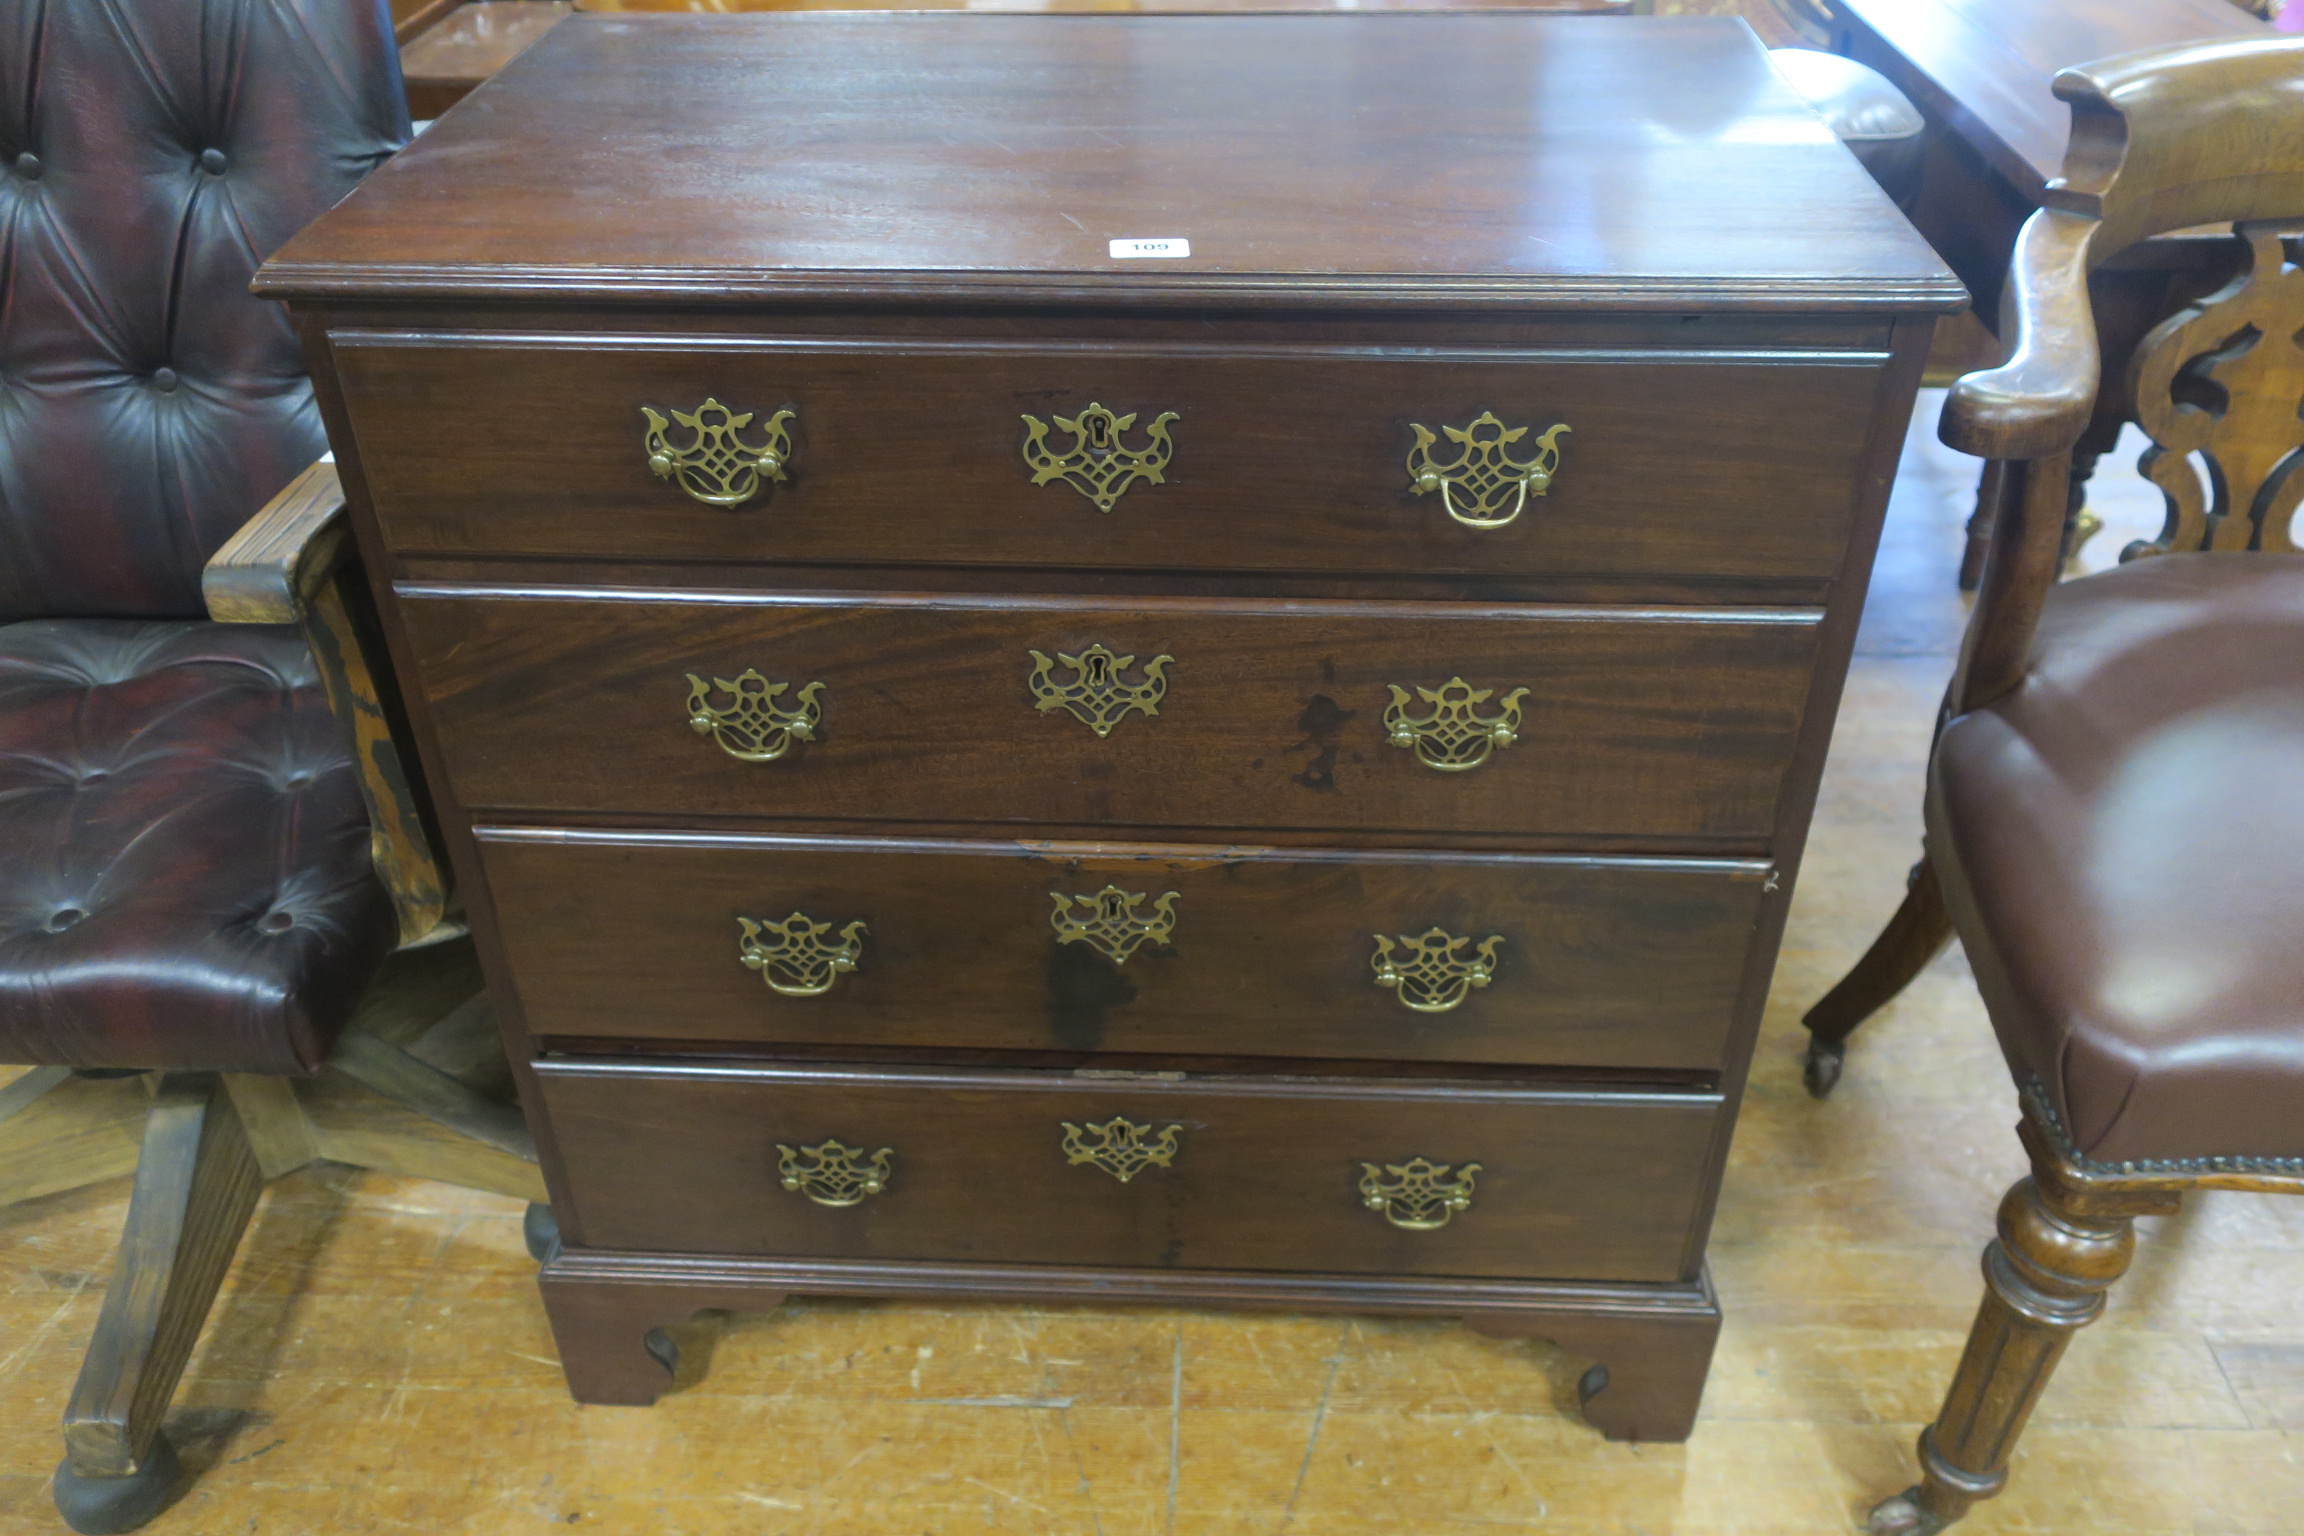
x=793, y=957
x=1095, y=694
x=1434, y=975
x=1452, y=735
x=752, y=726
x=1096, y=465
x=1109, y=923
x=1484, y=476
x=717, y=466
x=1420, y=1195
x=830, y=1174
x=1119, y=1146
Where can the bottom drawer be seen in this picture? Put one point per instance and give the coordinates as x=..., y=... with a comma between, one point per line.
x=1314, y=1175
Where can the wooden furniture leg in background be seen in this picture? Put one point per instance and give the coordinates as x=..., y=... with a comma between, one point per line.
x=2045, y=1277
x=196, y=1185
x=1916, y=935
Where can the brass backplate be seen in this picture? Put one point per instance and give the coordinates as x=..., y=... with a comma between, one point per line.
x=1096, y=464
x=1110, y=923
x=1434, y=971
x=1120, y=1146
x=715, y=464
x=794, y=957
x=831, y=1174
x=1484, y=486
x=752, y=726
x=1418, y=1195
x=1453, y=734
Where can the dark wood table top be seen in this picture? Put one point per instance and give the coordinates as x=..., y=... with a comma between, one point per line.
x=1983, y=66
x=1565, y=161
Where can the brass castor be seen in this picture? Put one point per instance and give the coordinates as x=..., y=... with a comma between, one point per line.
x=1821, y=1071
x=105, y=1506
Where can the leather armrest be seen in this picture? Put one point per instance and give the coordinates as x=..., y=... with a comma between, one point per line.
x=268, y=572
x=2038, y=402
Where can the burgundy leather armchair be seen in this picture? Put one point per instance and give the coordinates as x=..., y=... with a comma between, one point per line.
x=203, y=879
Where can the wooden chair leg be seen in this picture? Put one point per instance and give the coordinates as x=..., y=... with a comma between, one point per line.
x=2045, y=1279
x=196, y=1186
x=1916, y=935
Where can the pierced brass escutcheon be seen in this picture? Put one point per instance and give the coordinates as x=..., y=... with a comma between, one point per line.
x=1109, y=923
x=1095, y=695
x=752, y=725
x=1453, y=735
x=1120, y=1146
x=1434, y=975
x=793, y=957
x=716, y=465
x=1484, y=476
x=1096, y=465
x=1420, y=1195
x=830, y=1174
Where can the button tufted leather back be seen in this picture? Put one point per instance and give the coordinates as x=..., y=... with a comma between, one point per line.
x=152, y=153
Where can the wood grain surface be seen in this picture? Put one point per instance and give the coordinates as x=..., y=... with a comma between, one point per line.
x=1285, y=457
x=1570, y=161
x=1572, y=1185
x=1629, y=964
x=1273, y=714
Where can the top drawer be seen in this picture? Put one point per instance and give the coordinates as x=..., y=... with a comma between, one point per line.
x=1283, y=459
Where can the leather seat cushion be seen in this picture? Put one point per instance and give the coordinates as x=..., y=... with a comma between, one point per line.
x=2122, y=846
x=187, y=881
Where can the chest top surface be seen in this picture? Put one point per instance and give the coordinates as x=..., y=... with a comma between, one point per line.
x=1516, y=159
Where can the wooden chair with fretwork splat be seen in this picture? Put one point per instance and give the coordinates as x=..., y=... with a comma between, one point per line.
x=2115, y=826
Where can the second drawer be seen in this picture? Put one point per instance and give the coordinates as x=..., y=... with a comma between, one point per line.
x=1184, y=951
x=1573, y=723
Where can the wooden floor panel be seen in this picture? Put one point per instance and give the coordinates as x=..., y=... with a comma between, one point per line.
x=379, y=1363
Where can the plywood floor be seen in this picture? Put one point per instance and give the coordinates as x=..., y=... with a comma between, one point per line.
x=379, y=1362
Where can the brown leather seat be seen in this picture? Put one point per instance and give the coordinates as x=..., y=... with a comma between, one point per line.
x=188, y=876
x=2128, y=825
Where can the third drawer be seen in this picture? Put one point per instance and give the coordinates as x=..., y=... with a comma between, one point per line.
x=1139, y=950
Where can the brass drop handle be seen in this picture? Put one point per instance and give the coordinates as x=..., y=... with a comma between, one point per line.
x=1453, y=734
x=714, y=463
x=831, y=1174
x=1120, y=1146
x=1476, y=485
x=1097, y=464
x=793, y=956
x=752, y=726
x=1434, y=971
x=1418, y=1195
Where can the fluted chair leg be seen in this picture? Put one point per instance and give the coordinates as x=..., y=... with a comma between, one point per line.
x=1916, y=935
x=196, y=1186
x=2045, y=1278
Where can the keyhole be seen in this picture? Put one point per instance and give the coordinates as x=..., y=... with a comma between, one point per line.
x=1099, y=433
x=1099, y=672
x=1112, y=907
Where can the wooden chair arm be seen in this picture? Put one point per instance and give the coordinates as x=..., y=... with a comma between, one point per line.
x=2037, y=403
x=292, y=563
x=269, y=572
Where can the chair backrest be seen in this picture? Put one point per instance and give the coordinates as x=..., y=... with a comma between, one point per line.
x=2206, y=135
x=152, y=153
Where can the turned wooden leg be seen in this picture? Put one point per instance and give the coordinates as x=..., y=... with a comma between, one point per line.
x=1647, y=1379
x=2045, y=1278
x=1991, y=496
x=1916, y=935
x=196, y=1185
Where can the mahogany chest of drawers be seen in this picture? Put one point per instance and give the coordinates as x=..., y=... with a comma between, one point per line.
x=1163, y=659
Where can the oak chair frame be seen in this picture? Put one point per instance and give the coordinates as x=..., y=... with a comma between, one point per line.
x=2165, y=140
x=415, y=1086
